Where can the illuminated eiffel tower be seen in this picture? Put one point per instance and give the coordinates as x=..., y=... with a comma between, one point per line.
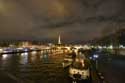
x=59, y=40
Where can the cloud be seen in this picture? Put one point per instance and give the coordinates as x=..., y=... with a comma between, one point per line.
x=75, y=19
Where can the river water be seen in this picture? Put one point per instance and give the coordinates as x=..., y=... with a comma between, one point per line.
x=34, y=67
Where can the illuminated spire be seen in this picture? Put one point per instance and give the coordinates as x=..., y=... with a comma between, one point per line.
x=59, y=40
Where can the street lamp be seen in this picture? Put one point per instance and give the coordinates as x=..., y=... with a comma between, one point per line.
x=96, y=61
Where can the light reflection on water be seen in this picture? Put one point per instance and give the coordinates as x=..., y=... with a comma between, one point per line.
x=45, y=58
x=33, y=58
x=23, y=58
x=34, y=52
x=34, y=67
x=4, y=56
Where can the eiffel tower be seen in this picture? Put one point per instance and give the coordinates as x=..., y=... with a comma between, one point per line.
x=59, y=40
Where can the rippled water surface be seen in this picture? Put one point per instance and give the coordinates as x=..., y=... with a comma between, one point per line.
x=34, y=67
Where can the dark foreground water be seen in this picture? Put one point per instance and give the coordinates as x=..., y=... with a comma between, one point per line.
x=113, y=68
x=33, y=68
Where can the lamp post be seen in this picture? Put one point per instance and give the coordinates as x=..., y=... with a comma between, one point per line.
x=96, y=61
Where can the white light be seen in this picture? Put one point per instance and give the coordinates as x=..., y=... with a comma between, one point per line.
x=20, y=48
x=72, y=71
x=104, y=47
x=95, y=56
x=92, y=46
x=110, y=47
x=34, y=52
x=121, y=46
x=90, y=57
x=4, y=56
x=100, y=47
x=24, y=58
x=1, y=50
x=45, y=56
x=24, y=54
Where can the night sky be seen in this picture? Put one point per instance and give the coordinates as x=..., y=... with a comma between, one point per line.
x=75, y=20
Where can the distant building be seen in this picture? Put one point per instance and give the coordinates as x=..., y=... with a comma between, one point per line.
x=59, y=44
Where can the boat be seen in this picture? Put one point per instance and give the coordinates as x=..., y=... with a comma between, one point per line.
x=67, y=61
x=80, y=69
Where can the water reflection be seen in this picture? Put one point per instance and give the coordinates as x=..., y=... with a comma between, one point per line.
x=26, y=58
x=24, y=54
x=45, y=58
x=33, y=58
x=34, y=52
x=34, y=67
x=23, y=58
x=5, y=61
x=4, y=56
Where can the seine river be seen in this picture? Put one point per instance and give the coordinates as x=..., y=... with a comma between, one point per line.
x=34, y=67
